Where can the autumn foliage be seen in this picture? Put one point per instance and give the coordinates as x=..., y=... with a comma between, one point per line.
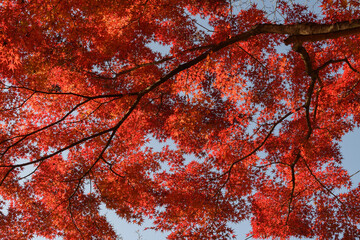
x=251, y=99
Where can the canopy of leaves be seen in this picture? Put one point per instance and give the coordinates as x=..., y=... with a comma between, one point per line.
x=255, y=98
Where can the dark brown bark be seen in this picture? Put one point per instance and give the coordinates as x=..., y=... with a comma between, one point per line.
x=311, y=32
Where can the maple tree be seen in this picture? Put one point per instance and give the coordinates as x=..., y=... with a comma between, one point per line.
x=255, y=103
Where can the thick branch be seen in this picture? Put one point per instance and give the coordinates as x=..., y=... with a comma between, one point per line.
x=311, y=32
x=319, y=37
x=314, y=76
x=304, y=29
